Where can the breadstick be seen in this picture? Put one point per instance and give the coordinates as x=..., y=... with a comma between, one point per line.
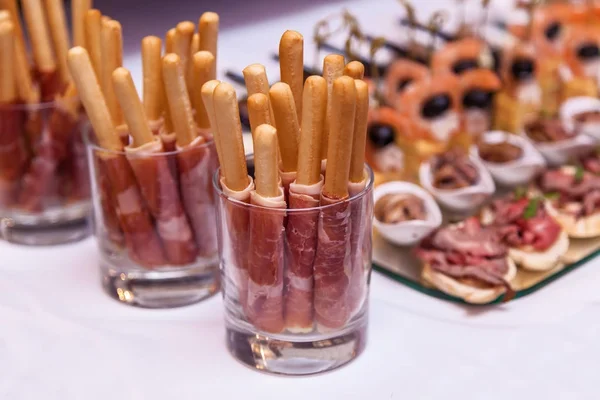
x=13, y=9
x=170, y=41
x=343, y=109
x=355, y=70
x=359, y=138
x=333, y=68
x=291, y=65
x=178, y=100
x=93, y=39
x=133, y=110
x=266, y=175
x=183, y=42
x=203, y=71
x=258, y=111
x=111, y=34
x=79, y=9
x=208, y=28
x=288, y=133
x=229, y=131
x=60, y=36
x=153, y=91
x=255, y=77
x=313, y=123
x=208, y=90
x=8, y=90
x=37, y=27
x=5, y=16
x=195, y=46
x=91, y=96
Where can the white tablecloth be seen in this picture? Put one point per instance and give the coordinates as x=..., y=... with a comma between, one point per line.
x=62, y=338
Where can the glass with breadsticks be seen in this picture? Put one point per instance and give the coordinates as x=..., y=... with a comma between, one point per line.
x=152, y=168
x=44, y=181
x=294, y=221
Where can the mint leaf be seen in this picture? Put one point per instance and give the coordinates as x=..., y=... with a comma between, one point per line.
x=520, y=192
x=552, y=195
x=532, y=208
x=579, y=171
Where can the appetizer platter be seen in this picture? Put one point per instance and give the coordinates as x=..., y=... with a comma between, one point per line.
x=483, y=157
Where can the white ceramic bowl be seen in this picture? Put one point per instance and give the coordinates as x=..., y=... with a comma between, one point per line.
x=517, y=172
x=408, y=233
x=579, y=105
x=464, y=199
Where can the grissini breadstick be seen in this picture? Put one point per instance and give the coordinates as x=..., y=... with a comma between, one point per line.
x=178, y=100
x=266, y=177
x=60, y=37
x=208, y=28
x=183, y=42
x=355, y=70
x=208, y=90
x=259, y=111
x=133, y=110
x=357, y=164
x=79, y=9
x=153, y=91
x=291, y=65
x=229, y=133
x=305, y=192
x=8, y=89
x=313, y=125
x=170, y=41
x=92, y=98
x=343, y=110
x=255, y=77
x=5, y=16
x=195, y=46
x=93, y=39
x=284, y=110
x=110, y=52
x=333, y=68
x=203, y=71
x=33, y=12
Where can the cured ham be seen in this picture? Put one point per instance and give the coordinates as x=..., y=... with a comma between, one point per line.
x=13, y=156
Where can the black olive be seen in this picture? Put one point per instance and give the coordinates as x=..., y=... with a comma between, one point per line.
x=243, y=106
x=553, y=30
x=436, y=106
x=464, y=66
x=403, y=84
x=381, y=135
x=588, y=51
x=478, y=99
x=523, y=68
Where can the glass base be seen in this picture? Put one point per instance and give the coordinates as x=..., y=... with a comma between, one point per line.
x=297, y=355
x=51, y=227
x=165, y=288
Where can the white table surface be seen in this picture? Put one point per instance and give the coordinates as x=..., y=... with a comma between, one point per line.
x=62, y=338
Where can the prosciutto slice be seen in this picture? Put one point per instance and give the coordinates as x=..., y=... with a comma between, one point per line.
x=333, y=264
x=301, y=233
x=108, y=202
x=50, y=84
x=196, y=164
x=75, y=184
x=266, y=263
x=287, y=178
x=360, y=245
x=13, y=155
x=161, y=192
x=51, y=149
x=141, y=239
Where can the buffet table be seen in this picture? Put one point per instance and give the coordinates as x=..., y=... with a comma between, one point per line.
x=62, y=338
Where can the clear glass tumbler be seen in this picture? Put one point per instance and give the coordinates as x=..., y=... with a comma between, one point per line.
x=295, y=281
x=155, y=223
x=44, y=179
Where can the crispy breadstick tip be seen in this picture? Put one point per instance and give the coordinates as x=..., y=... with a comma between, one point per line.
x=79, y=10
x=204, y=70
x=132, y=107
x=343, y=109
x=288, y=133
x=152, y=72
x=357, y=165
x=255, y=76
x=355, y=70
x=258, y=111
x=333, y=68
x=178, y=99
x=208, y=26
x=265, y=161
x=43, y=56
x=313, y=124
x=91, y=96
x=170, y=40
x=291, y=65
x=208, y=90
x=230, y=136
x=8, y=89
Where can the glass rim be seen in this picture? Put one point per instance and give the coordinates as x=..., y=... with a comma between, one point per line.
x=23, y=106
x=367, y=189
x=90, y=144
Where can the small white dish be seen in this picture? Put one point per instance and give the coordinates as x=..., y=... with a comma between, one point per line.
x=517, y=172
x=579, y=105
x=563, y=151
x=464, y=199
x=408, y=233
